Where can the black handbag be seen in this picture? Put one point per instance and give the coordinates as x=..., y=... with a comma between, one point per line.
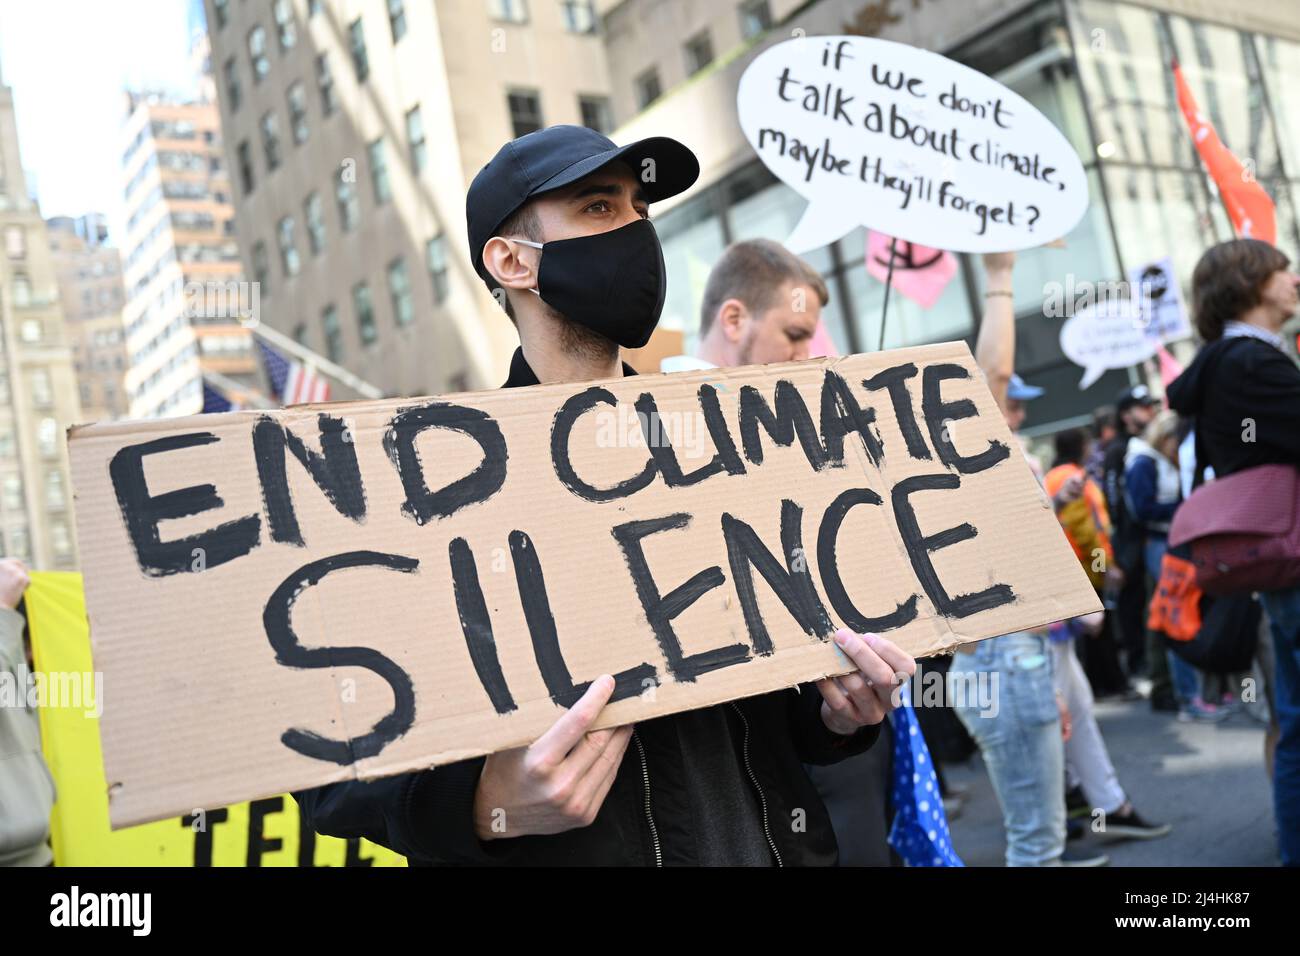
x=1228, y=636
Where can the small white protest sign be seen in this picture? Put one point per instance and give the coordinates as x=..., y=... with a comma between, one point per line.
x=909, y=143
x=1108, y=334
x=1160, y=301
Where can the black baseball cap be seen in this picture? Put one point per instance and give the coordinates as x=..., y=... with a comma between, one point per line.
x=556, y=156
x=1134, y=395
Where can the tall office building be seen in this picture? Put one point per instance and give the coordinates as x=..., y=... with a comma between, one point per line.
x=353, y=129
x=38, y=392
x=181, y=261
x=89, y=275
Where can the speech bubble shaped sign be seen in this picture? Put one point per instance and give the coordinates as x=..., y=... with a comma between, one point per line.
x=909, y=143
x=1108, y=334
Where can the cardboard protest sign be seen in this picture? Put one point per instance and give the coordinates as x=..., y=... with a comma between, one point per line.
x=266, y=832
x=908, y=142
x=284, y=599
x=920, y=272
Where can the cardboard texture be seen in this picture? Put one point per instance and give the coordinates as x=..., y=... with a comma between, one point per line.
x=239, y=664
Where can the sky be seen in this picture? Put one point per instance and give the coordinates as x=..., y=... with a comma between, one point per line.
x=67, y=62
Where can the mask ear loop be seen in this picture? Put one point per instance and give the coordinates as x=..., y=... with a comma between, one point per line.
x=535, y=245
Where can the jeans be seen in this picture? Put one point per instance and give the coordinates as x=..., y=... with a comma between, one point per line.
x=1087, y=762
x=1015, y=722
x=1283, y=608
x=1187, y=679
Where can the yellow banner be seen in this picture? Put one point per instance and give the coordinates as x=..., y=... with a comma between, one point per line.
x=261, y=833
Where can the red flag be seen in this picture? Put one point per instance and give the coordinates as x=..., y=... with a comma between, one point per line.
x=1251, y=211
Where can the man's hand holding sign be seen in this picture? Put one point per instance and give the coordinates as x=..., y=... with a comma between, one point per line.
x=560, y=781
x=863, y=697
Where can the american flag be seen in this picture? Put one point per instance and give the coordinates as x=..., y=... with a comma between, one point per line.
x=215, y=400
x=293, y=383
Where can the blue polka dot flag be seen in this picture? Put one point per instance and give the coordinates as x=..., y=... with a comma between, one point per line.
x=920, y=831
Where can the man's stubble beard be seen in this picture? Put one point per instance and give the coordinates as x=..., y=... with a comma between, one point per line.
x=579, y=340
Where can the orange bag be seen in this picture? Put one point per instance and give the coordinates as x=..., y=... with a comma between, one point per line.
x=1176, y=604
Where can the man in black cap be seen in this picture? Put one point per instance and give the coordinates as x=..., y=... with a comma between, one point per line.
x=558, y=230
x=1134, y=409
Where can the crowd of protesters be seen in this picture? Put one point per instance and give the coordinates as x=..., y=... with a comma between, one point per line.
x=1116, y=489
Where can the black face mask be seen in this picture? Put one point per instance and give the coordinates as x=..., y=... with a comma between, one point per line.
x=612, y=283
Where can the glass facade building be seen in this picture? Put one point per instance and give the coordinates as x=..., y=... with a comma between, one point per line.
x=1101, y=71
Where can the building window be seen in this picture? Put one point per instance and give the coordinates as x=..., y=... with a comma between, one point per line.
x=13, y=496
x=271, y=140
x=345, y=195
x=313, y=214
x=755, y=17
x=415, y=139
x=42, y=396
x=379, y=171
x=245, y=159
x=60, y=539
x=365, y=311
x=15, y=242
x=54, y=493
x=47, y=437
x=257, y=53
x=21, y=289
x=288, y=247
x=222, y=9
x=313, y=7
x=399, y=290
x=329, y=320
x=511, y=11
x=525, y=111
x=595, y=113
x=31, y=331
x=297, y=97
x=325, y=83
x=579, y=16
x=699, y=52
x=282, y=10
x=234, y=93
x=397, y=19
x=647, y=88
x=435, y=256
x=261, y=268
x=357, y=45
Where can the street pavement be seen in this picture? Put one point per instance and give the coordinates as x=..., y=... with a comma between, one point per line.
x=1208, y=780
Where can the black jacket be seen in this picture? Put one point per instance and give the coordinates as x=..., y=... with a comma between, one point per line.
x=1245, y=397
x=646, y=818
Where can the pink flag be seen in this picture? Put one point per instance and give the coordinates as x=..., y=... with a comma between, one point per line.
x=821, y=345
x=920, y=273
x=1169, y=367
